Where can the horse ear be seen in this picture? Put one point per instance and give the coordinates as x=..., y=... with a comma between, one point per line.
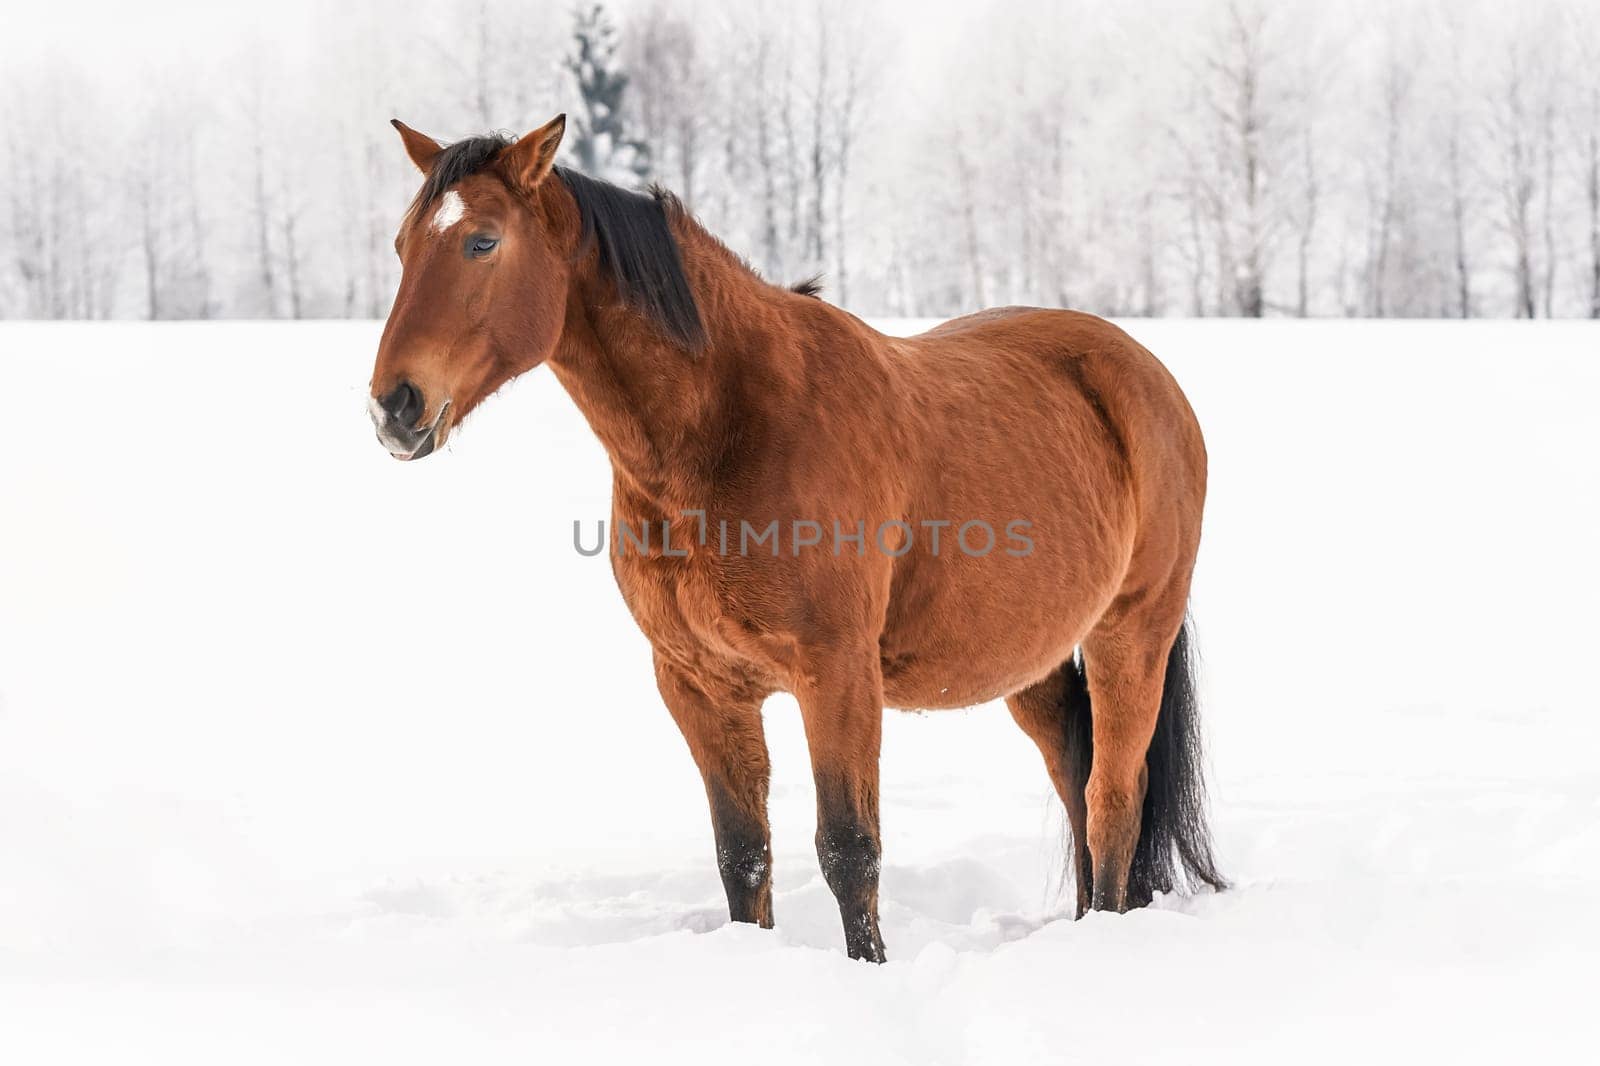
x=422, y=149
x=530, y=159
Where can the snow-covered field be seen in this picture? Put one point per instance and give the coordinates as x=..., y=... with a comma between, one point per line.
x=310, y=756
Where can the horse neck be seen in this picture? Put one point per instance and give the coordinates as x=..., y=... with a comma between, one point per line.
x=658, y=409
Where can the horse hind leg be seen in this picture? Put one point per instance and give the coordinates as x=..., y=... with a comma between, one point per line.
x=1126, y=696
x=1145, y=794
x=1055, y=714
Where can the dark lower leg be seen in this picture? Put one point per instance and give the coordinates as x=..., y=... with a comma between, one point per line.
x=850, y=855
x=843, y=711
x=744, y=857
x=725, y=736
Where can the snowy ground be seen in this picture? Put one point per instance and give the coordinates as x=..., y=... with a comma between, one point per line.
x=310, y=756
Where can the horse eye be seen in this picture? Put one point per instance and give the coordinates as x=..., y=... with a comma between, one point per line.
x=480, y=245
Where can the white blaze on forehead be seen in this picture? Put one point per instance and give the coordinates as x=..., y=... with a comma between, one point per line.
x=451, y=208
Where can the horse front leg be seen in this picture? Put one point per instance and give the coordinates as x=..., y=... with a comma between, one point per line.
x=842, y=705
x=722, y=725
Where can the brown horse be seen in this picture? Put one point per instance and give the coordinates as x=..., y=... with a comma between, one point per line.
x=1007, y=505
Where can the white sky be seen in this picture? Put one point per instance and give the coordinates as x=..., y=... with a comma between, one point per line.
x=132, y=33
x=124, y=34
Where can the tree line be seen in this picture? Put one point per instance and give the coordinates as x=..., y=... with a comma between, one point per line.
x=1418, y=158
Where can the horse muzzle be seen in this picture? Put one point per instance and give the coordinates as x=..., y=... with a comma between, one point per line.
x=396, y=417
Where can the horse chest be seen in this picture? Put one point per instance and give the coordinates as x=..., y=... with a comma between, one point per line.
x=683, y=608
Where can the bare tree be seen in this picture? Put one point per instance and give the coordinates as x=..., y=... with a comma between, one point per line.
x=766, y=157
x=816, y=222
x=1547, y=149
x=288, y=223
x=672, y=95
x=149, y=243
x=1239, y=153
x=1437, y=160
x=1384, y=178
x=1513, y=126
x=846, y=118
x=1591, y=187
x=482, y=69
x=1306, y=225
x=1458, y=217
x=966, y=185
x=256, y=128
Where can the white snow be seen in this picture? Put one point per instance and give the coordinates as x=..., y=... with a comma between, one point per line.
x=246, y=817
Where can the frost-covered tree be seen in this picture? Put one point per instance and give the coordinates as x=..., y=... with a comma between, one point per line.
x=673, y=94
x=1243, y=142
x=1396, y=157
x=1518, y=129
x=600, y=139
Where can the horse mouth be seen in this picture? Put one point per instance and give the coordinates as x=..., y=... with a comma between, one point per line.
x=422, y=450
x=426, y=443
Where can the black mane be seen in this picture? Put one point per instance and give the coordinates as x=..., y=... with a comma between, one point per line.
x=637, y=248
x=456, y=161
x=811, y=286
x=632, y=231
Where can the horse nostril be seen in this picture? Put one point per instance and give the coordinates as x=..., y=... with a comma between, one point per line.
x=404, y=404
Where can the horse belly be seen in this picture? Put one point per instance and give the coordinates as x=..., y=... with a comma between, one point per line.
x=966, y=631
x=966, y=625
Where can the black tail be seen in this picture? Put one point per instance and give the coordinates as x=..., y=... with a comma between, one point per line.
x=1174, y=851
x=1080, y=756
